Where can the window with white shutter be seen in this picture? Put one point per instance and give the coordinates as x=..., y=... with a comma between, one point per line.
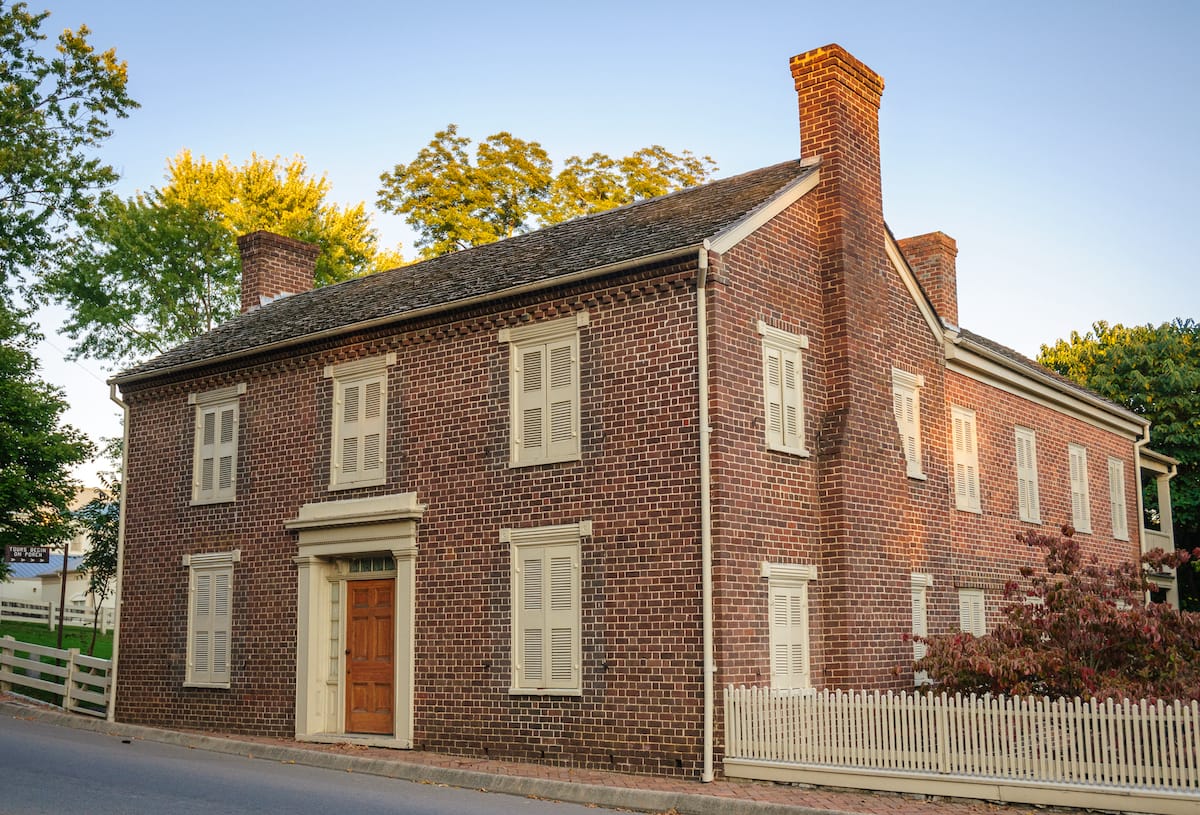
x=1081, y=508
x=546, y=648
x=214, y=454
x=966, y=460
x=783, y=389
x=787, y=611
x=1116, y=499
x=972, y=617
x=906, y=405
x=358, y=457
x=1028, y=508
x=544, y=390
x=210, y=618
x=920, y=620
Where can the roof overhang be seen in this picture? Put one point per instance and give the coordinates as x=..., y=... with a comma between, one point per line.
x=1159, y=463
x=677, y=253
x=984, y=365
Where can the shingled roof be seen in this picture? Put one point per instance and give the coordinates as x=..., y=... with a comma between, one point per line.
x=647, y=228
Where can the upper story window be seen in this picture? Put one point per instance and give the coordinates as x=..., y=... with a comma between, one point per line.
x=1028, y=508
x=1081, y=508
x=966, y=460
x=358, y=457
x=214, y=457
x=906, y=404
x=783, y=389
x=544, y=393
x=1116, y=499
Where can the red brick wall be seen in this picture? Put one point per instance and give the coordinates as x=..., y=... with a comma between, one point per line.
x=448, y=442
x=986, y=553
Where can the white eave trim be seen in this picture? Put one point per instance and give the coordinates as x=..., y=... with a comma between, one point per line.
x=984, y=365
x=914, y=288
x=732, y=235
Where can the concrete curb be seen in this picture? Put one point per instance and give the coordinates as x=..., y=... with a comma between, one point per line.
x=566, y=791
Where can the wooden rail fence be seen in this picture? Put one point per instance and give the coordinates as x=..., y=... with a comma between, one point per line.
x=82, y=682
x=47, y=613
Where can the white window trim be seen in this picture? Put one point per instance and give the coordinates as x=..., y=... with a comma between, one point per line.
x=518, y=339
x=348, y=373
x=970, y=599
x=908, y=385
x=215, y=400
x=211, y=563
x=1116, y=498
x=567, y=535
x=966, y=460
x=790, y=577
x=1028, y=475
x=1081, y=509
x=791, y=345
x=920, y=583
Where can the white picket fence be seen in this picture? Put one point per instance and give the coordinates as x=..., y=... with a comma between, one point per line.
x=81, y=681
x=1025, y=741
x=47, y=614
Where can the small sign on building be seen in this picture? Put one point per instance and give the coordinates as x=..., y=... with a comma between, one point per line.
x=27, y=554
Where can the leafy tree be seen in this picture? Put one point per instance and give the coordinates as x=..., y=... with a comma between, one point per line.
x=100, y=519
x=55, y=109
x=1078, y=629
x=510, y=186
x=148, y=272
x=1153, y=371
x=37, y=451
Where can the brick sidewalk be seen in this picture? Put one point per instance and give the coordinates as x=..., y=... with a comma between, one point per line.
x=608, y=789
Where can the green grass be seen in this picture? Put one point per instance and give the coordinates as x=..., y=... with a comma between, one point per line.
x=38, y=634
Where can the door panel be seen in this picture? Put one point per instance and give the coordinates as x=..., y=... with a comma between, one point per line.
x=370, y=668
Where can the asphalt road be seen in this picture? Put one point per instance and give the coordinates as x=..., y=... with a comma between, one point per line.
x=55, y=770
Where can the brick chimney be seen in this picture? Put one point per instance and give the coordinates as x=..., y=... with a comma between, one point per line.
x=862, y=494
x=931, y=257
x=274, y=265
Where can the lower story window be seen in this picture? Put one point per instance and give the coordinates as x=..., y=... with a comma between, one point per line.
x=210, y=618
x=546, y=647
x=787, y=590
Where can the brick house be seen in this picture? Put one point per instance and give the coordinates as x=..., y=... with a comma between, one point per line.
x=542, y=499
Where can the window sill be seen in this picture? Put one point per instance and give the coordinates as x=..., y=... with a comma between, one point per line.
x=567, y=459
x=545, y=692
x=219, y=685
x=205, y=502
x=918, y=476
x=366, y=482
x=1033, y=521
x=799, y=452
x=972, y=510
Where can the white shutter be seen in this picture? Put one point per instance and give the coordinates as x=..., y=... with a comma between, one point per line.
x=1028, y=507
x=1081, y=510
x=206, y=431
x=789, y=636
x=966, y=460
x=561, y=618
x=532, y=620
x=1116, y=499
x=971, y=616
x=202, y=599
x=906, y=406
x=562, y=400
x=920, y=621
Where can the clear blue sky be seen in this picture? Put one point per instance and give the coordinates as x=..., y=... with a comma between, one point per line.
x=1055, y=141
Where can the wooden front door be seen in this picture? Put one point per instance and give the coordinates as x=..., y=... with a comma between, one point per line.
x=370, y=668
